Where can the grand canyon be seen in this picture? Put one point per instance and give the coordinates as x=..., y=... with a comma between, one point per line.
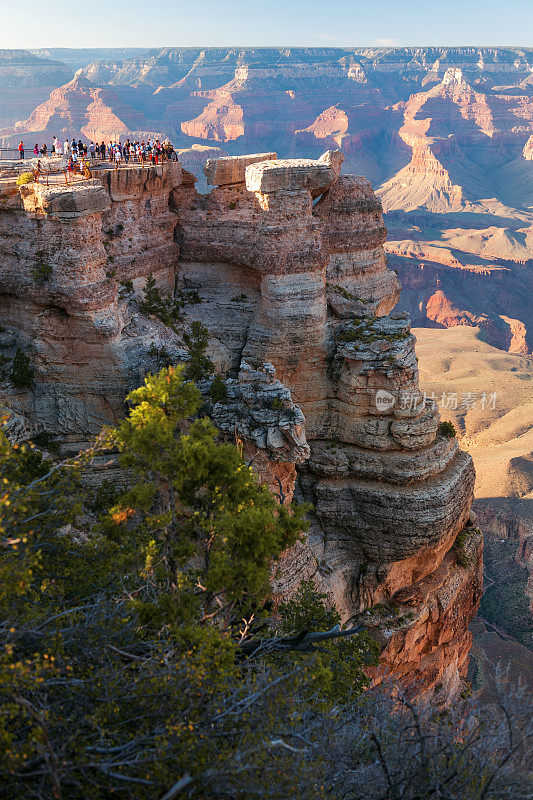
x=443, y=134
x=325, y=200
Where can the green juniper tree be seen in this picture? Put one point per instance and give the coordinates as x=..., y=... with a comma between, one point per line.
x=199, y=365
x=195, y=497
x=22, y=374
x=144, y=658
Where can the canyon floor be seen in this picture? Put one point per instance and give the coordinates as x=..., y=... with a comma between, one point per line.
x=493, y=390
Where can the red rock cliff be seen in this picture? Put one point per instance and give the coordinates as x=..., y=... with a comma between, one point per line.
x=322, y=380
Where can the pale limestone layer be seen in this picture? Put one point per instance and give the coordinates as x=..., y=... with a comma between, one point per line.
x=232, y=169
x=290, y=175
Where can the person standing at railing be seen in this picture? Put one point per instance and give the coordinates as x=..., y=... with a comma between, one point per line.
x=37, y=171
x=91, y=149
x=21, y=150
x=66, y=147
x=102, y=151
x=69, y=170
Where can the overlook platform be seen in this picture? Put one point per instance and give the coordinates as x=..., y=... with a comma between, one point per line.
x=53, y=169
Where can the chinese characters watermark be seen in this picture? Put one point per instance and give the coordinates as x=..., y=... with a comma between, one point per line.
x=447, y=401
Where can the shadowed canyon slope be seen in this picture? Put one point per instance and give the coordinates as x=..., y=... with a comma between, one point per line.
x=444, y=134
x=488, y=395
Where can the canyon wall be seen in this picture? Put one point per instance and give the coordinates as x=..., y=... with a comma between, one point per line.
x=443, y=133
x=283, y=262
x=84, y=345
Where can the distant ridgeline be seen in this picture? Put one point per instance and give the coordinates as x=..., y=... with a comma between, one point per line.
x=445, y=135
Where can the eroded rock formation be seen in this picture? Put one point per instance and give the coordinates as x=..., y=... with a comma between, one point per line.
x=444, y=134
x=287, y=259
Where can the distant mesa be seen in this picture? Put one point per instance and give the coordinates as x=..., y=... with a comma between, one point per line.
x=445, y=134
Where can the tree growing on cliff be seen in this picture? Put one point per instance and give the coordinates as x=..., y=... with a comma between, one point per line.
x=164, y=307
x=123, y=670
x=199, y=365
x=194, y=498
x=447, y=428
x=22, y=374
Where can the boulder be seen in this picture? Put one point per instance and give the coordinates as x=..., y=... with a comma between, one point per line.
x=334, y=159
x=65, y=202
x=290, y=175
x=228, y=170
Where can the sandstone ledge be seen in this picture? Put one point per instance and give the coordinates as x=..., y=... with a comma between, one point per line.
x=290, y=175
x=65, y=203
x=229, y=170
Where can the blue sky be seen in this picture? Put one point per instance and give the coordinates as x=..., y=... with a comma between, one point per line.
x=224, y=23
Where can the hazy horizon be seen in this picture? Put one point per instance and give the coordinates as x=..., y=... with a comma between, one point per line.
x=297, y=23
x=278, y=46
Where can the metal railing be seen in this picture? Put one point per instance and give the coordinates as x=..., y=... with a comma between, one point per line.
x=13, y=154
x=47, y=173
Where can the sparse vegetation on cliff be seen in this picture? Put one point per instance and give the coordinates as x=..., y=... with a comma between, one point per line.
x=111, y=233
x=277, y=404
x=22, y=374
x=161, y=355
x=341, y=290
x=199, y=365
x=218, y=392
x=126, y=289
x=447, y=429
x=363, y=330
x=149, y=655
x=41, y=271
x=460, y=545
x=165, y=307
x=25, y=178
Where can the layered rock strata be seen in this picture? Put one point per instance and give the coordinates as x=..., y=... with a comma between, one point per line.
x=63, y=252
x=285, y=261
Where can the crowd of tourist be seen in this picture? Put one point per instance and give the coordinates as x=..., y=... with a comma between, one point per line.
x=80, y=154
x=115, y=152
